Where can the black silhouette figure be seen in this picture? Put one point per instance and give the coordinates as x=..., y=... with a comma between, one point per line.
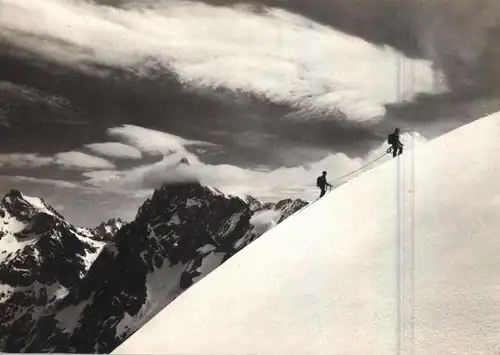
x=396, y=145
x=322, y=184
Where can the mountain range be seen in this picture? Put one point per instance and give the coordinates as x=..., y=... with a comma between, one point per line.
x=65, y=288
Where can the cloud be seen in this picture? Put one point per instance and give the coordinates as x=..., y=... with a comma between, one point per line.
x=21, y=105
x=47, y=182
x=282, y=57
x=270, y=185
x=148, y=176
x=459, y=37
x=24, y=160
x=266, y=184
x=264, y=220
x=123, y=190
x=31, y=94
x=81, y=161
x=115, y=150
x=152, y=141
x=67, y=160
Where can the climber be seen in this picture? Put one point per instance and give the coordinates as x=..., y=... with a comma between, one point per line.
x=396, y=145
x=322, y=184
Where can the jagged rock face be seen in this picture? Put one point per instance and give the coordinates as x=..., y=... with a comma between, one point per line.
x=41, y=258
x=106, y=231
x=178, y=236
x=288, y=207
x=23, y=208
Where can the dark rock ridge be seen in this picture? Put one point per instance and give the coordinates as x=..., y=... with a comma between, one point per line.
x=42, y=257
x=106, y=231
x=179, y=235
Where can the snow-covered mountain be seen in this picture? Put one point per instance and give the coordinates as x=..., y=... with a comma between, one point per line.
x=401, y=260
x=42, y=257
x=105, y=231
x=179, y=235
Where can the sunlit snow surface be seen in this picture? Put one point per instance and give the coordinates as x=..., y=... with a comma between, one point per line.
x=326, y=280
x=38, y=204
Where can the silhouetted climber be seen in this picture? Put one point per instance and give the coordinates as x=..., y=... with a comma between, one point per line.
x=322, y=184
x=396, y=145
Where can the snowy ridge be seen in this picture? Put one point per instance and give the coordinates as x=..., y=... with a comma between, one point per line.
x=335, y=291
x=85, y=232
x=38, y=203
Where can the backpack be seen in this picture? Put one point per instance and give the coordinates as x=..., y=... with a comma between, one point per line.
x=318, y=181
x=390, y=139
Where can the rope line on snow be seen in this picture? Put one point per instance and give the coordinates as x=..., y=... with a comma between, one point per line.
x=364, y=166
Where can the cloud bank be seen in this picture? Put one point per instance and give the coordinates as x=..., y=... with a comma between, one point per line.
x=79, y=160
x=460, y=37
x=151, y=141
x=115, y=150
x=102, y=178
x=268, y=185
x=67, y=160
x=285, y=58
x=20, y=160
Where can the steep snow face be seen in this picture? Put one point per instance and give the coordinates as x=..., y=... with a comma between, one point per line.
x=181, y=234
x=39, y=204
x=41, y=258
x=424, y=227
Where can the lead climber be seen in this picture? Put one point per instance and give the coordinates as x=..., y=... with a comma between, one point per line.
x=396, y=145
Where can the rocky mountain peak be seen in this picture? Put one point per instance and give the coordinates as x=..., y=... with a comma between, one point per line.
x=107, y=230
x=24, y=207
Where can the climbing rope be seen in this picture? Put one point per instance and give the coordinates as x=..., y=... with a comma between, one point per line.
x=344, y=176
x=364, y=166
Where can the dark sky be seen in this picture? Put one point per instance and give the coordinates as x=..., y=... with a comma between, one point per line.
x=239, y=90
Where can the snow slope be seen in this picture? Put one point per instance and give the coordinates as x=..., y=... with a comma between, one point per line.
x=334, y=288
